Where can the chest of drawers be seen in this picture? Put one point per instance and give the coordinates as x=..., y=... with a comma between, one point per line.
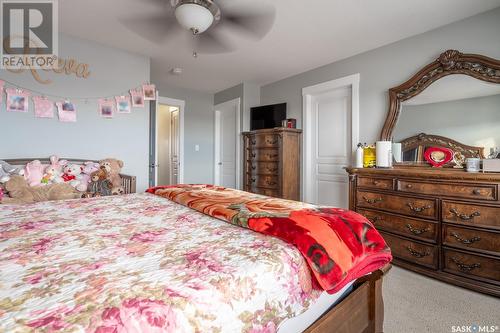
x=272, y=162
x=439, y=222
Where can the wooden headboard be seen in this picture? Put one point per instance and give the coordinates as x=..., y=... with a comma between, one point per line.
x=128, y=182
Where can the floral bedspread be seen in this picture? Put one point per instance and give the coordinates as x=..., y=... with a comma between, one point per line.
x=140, y=263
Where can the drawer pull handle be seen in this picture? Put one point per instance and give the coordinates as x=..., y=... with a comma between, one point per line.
x=271, y=156
x=372, y=201
x=271, y=183
x=418, y=209
x=375, y=182
x=464, y=267
x=271, y=142
x=465, y=217
x=409, y=186
x=374, y=219
x=253, y=155
x=418, y=254
x=252, y=180
x=253, y=167
x=476, y=192
x=253, y=142
x=465, y=241
x=417, y=231
x=271, y=169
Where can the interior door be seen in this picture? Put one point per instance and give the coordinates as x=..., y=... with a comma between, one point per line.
x=226, y=127
x=174, y=147
x=331, y=147
x=153, y=107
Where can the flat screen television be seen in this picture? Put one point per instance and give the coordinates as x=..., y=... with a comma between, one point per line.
x=268, y=116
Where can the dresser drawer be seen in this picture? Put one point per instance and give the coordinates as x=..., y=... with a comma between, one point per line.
x=472, y=215
x=426, y=208
x=264, y=141
x=380, y=183
x=264, y=191
x=472, y=265
x=474, y=240
x=271, y=168
x=415, y=252
x=404, y=226
x=263, y=155
x=469, y=191
x=269, y=182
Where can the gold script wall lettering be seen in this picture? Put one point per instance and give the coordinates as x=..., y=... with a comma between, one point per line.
x=61, y=66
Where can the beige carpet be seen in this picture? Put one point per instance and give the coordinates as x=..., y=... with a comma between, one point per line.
x=415, y=303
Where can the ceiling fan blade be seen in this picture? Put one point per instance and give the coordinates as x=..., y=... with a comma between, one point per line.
x=255, y=20
x=153, y=28
x=211, y=42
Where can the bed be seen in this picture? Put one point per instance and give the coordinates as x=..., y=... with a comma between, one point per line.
x=141, y=263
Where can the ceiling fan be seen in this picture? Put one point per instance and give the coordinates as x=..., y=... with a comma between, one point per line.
x=206, y=22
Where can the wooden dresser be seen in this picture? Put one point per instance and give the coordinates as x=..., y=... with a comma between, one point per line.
x=441, y=223
x=272, y=162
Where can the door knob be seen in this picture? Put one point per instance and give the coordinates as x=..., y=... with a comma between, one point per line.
x=220, y=163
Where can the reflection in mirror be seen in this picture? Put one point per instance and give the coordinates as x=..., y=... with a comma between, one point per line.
x=458, y=107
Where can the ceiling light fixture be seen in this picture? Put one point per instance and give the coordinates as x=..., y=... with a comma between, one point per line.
x=196, y=15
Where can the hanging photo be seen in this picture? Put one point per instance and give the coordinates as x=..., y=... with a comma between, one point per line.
x=17, y=100
x=149, y=91
x=44, y=108
x=123, y=104
x=66, y=111
x=137, y=98
x=106, y=108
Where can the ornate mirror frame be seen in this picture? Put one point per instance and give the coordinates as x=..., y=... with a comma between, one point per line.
x=449, y=62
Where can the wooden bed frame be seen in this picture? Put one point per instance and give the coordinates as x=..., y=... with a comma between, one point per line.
x=362, y=311
x=128, y=182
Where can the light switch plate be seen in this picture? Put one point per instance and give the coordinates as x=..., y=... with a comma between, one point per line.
x=196, y=147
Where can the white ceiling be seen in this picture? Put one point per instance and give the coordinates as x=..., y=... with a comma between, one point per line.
x=453, y=88
x=306, y=34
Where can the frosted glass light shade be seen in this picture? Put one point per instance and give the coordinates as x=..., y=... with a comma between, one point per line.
x=194, y=17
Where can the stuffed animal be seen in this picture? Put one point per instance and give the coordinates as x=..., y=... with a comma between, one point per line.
x=100, y=185
x=7, y=170
x=72, y=175
x=33, y=173
x=88, y=169
x=21, y=192
x=113, y=167
x=53, y=173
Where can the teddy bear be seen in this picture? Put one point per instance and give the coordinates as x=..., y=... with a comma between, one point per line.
x=7, y=170
x=20, y=192
x=100, y=184
x=87, y=169
x=72, y=175
x=33, y=173
x=53, y=172
x=113, y=167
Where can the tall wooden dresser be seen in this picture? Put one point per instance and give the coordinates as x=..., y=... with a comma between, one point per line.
x=272, y=162
x=442, y=223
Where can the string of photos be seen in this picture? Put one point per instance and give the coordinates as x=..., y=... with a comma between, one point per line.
x=18, y=101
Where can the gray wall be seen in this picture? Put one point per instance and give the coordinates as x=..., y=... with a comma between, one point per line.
x=389, y=66
x=472, y=121
x=198, y=130
x=91, y=137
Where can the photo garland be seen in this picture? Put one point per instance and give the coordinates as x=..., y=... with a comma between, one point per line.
x=66, y=111
x=17, y=100
x=149, y=92
x=44, y=108
x=137, y=98
x=106, y=108
x=123, y=104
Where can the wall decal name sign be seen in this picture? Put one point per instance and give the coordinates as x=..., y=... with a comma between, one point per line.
x=61, y=66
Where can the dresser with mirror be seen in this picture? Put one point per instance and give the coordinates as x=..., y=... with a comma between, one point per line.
x=442, y=222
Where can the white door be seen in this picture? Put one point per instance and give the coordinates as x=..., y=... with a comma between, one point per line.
x=227, y=144
x=330, y=147
x=174, y=147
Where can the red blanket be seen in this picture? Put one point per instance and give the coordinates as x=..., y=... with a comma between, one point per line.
x=339, y=245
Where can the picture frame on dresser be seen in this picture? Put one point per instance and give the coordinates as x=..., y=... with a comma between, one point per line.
x=440, y=222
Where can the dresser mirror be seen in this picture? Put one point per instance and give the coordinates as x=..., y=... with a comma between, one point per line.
x=453, y=103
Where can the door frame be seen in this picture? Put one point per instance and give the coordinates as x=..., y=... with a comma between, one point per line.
x=181, y=105
x=308, y=93
x=237, y=104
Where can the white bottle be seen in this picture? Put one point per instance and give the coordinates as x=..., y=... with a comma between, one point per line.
x=359, y=156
